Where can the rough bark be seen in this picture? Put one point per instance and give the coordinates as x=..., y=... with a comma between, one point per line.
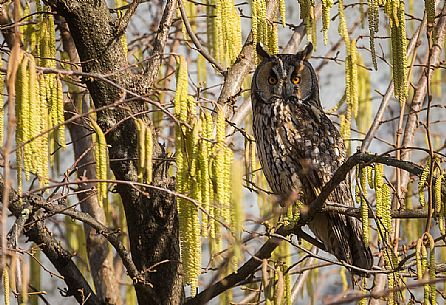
x=152, y=218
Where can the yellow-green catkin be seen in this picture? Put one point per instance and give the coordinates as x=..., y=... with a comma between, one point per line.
x=364, y=114
x=373, y=18
x=282, y=10
x=100, y=150
x=209, y=125
x=263, y=31
x=149, y=155
x=419, y=259
x=47, y=42
x=391, y=285
x=249, y=159
x=362, y=288
x=432, y=296
x=437, y=188
x=201, y=70
x=288, y=289
x=352, y=70
x=379, y=198
x=345, y=128
x=203, y=159
x=235, y=176
x=6, y=291
x=22, y=114
x=35, y=274
x=364, y=206
x=44, y=137
x=344, y=280
x=237, y=212
x=422, y=182
x=429, y=7
x=32, y=147
x=370, y=177
x=59, y=105
x=326, y=6
x=440, y=208
x=273, y=39
x=50, y=86
x=436, y=83
x=342, y=29
x=145, y=151
x=141, y=138
x=219, y=167
x=226, y=31
x=188, y=177
x=307, y=14
x=120, y=13
x=386, y=209
x=399, y=49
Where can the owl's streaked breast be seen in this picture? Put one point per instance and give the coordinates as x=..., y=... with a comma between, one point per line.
x=299, y=140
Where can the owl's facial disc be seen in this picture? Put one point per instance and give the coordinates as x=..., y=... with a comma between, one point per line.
x=299, y=83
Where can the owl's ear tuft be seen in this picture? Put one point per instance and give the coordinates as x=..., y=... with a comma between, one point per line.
x=261, y=51
x=306, y=53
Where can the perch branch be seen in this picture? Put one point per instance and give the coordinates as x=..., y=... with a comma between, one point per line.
x=316, y=206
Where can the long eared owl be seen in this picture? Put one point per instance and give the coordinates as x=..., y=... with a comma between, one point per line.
x=300, y=149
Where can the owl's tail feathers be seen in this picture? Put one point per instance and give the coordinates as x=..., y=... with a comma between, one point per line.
x=342, y=237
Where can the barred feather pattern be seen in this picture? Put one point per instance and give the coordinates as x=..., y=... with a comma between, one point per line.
x=300, y=149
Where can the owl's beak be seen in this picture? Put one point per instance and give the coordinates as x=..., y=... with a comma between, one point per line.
x=291, y=91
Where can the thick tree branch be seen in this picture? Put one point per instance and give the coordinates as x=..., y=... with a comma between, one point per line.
x=356, y=212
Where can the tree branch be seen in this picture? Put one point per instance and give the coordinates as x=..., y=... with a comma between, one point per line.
x=315, y=207
x=160, y=40
x=112, y=236
x=37, y=232
x=124, y=21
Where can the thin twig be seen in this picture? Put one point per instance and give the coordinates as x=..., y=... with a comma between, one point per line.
x=124, y=21
x=195, y=40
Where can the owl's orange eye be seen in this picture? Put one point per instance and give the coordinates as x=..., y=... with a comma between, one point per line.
x=295, y=79
x=272, y=80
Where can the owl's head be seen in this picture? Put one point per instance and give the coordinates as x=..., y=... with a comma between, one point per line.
x=289, y=77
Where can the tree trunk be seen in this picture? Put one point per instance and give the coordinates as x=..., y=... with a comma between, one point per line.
x=151, y=214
